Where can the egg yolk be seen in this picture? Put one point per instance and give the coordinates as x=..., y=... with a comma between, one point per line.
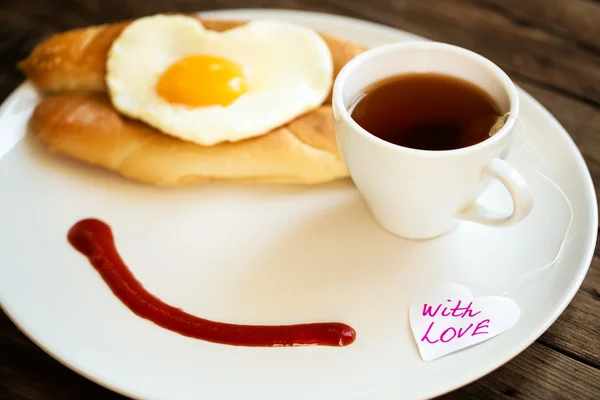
x=202, y=80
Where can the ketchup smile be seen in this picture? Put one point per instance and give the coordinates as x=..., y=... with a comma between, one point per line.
x=94, y=239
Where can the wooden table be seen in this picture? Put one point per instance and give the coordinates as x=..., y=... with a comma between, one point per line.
x=551, y=48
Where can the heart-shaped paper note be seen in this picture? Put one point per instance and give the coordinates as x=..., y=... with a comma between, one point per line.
x=446, y=318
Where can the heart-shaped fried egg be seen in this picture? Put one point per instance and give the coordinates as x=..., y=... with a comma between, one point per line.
x=209, y=87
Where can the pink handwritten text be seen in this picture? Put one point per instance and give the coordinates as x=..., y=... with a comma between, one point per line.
x=456, y=311
x=441, y=335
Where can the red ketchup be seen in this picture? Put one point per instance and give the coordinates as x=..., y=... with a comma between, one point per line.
x=93, y=238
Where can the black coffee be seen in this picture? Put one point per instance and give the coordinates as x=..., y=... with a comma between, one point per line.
x=426, y=111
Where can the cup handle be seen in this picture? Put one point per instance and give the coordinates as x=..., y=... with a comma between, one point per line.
x=516, y=186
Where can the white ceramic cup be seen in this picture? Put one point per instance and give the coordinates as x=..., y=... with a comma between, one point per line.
x=422, y=194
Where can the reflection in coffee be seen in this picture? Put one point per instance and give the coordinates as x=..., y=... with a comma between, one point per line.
x=426, y=111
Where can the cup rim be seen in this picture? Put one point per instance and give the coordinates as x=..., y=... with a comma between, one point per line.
x=342, y=109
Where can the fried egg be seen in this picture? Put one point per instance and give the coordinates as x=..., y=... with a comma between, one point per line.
x=209, y=87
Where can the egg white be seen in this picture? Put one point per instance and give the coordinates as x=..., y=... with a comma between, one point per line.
x=288, y=68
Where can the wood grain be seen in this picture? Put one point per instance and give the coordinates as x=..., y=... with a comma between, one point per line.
x=576, y=331
x=551, y=48
x=538, y=373
x=526, y=51
x=573, y=20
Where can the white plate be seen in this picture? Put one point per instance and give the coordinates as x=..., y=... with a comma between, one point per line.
x=273, y=254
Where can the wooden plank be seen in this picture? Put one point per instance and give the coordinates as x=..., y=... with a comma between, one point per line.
x=537, y=373
x=526, y=50
x=594, y=168
x=27, y=373
x=576, y=332
x=575, y=20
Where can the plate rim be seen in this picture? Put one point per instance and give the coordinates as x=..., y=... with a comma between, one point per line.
x=565, y=300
